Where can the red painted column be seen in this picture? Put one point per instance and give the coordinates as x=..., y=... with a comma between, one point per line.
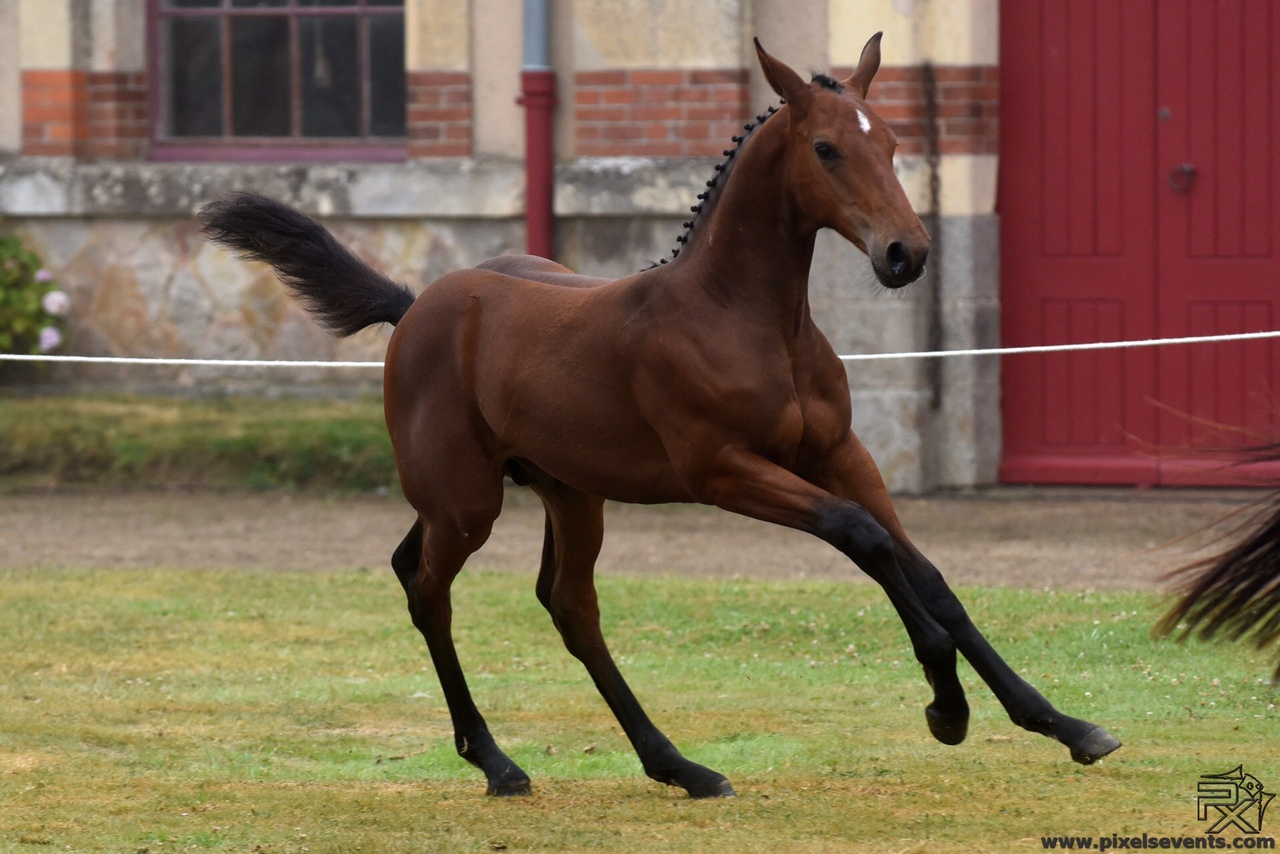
x=538, y=96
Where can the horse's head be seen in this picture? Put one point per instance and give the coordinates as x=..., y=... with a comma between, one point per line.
x=839, y=164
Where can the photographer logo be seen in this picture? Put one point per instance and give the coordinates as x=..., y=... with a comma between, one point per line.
x=1232, y=799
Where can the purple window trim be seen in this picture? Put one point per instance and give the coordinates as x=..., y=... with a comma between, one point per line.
x=283, y=151
x=235, y=149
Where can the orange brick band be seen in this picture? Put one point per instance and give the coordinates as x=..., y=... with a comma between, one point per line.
x=968, y=99
x=675, y=113
x=662, y=112
x=117, y=115
x=645, y=112
x=84, y=114
x=54, y=112
x=439, y=114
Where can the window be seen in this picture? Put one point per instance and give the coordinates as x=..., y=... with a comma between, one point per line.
x=294, y=78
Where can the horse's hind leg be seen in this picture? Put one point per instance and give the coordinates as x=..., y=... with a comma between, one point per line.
x=426, y=563
x=575, y=529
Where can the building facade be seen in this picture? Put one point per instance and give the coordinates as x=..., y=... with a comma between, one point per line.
x=120, y=118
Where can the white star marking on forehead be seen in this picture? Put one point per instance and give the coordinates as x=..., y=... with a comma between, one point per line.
x=864, y=122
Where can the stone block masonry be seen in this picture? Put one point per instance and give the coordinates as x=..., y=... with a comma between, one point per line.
x=658, y=112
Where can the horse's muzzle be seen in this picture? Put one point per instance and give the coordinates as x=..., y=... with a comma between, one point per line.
x=901, y=264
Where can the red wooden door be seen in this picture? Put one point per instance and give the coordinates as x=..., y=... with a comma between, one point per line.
x=1218, y=253
x=1101, y=101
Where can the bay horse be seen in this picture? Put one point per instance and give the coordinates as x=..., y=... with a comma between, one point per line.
x=699, y=380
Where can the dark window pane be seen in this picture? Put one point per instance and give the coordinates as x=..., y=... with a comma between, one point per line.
x=194, y=56
x=330, y=76
x=386, y=75
x=293, y=72
x=260, y=76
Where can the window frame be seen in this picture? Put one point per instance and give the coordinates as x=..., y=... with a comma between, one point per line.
x=229, y=148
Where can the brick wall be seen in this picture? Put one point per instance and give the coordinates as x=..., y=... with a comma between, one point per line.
x=54, y=110
x=968, y=106
x=658, y=112
x=84, y=114
x=673, y=112
x=439, y=117
x=117, y=115
x=644, y=112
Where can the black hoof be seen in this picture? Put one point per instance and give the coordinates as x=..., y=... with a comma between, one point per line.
x=698, y=780
x=713, y=789
x=510, y=788
x=948, y=730
x=1095, y=744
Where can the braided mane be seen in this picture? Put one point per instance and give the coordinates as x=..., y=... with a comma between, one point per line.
x=708, y=198
x=828, y=82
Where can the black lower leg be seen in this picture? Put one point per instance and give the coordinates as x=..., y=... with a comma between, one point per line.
x=567, y=589
x=852, y=529
x=1026, y=706
x=431, y=609
x=470, y=732
x=580, y=629
x=659, y=757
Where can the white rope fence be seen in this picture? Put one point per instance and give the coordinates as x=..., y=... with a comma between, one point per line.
x=856, y=357
x=1064, y=348
x=196, y=363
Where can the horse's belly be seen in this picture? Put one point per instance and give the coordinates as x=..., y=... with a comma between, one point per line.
x=599, y=449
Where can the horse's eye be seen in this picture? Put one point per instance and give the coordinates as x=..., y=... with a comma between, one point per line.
x=825, y=151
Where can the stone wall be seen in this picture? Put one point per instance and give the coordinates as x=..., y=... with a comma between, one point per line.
x=122, y=241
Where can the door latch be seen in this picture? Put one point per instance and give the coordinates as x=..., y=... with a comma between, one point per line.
x=1182, y=177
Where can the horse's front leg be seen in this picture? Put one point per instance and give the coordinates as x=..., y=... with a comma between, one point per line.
x=752, y=486
x=1026, y=706
x=854, y=475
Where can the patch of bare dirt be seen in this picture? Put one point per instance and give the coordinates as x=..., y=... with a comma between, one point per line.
x=1062, y=538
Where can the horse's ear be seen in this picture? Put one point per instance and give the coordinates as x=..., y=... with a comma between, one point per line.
x=868, y=65
x=783, y=79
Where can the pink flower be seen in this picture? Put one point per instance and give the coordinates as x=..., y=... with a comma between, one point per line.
x=43, y=275
x=56, y=303
x=50, y=339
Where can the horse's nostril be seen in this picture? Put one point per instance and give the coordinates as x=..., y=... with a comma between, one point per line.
x=898, y=259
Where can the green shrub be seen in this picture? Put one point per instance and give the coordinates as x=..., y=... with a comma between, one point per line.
x=31, y=306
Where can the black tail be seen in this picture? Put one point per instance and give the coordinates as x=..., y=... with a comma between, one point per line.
x=1236, y=593
x=343, y=293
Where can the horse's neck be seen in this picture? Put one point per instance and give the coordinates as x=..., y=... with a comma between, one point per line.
x=750, y=251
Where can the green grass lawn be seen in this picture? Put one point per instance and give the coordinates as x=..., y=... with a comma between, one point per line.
x=218, y=441
x=248, y=711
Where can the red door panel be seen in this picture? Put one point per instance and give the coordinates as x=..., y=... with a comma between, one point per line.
x=1077, y=238
x=1105, y=236
x=1218, y=258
